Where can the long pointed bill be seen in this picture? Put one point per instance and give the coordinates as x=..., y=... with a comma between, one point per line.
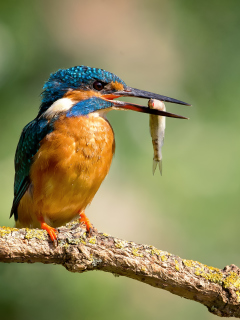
x=135, y=107
x=132, y=92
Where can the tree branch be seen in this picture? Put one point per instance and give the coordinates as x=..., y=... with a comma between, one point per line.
x=218, y=290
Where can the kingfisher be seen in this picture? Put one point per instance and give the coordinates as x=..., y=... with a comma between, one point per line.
x=64, y=154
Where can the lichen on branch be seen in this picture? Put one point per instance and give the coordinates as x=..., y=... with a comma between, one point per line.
x=218, y=290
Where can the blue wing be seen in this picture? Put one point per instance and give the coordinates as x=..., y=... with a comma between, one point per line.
x=28, y=145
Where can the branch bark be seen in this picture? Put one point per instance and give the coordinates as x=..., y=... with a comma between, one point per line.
x=218, y=290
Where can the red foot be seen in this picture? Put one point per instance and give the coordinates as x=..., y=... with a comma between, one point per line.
x=85, y=220
x=51, y=231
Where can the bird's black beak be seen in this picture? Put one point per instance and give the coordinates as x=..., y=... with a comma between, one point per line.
x=132, y=92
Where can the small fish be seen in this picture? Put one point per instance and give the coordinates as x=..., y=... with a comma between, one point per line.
x=157, y=130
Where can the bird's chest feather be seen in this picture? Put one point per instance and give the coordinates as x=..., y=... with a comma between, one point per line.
x=72, y=162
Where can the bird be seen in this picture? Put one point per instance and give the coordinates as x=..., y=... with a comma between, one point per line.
x=64, y=154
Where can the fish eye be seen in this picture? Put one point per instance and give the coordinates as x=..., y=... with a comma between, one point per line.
x=98, y=85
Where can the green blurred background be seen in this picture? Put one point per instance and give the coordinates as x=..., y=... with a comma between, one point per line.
x=188, y=50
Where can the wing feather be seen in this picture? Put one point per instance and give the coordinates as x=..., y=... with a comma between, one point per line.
x=28, y=145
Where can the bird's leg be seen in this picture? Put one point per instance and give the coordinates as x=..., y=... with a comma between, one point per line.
x=83, y=218
x=51, y=231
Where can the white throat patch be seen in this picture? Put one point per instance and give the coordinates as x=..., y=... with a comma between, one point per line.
x=58, y=106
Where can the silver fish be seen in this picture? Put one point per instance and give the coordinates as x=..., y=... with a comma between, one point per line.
x=157, y=130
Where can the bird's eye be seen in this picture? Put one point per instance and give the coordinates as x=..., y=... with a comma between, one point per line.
x=98, y=85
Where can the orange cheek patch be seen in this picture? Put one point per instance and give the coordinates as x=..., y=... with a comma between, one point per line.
x=78, y=95
x=117, y=86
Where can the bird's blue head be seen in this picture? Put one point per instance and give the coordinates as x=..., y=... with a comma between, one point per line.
x=81, y=90
x=76, y=78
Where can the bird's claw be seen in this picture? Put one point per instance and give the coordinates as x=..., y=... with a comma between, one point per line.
x=84, y=219
x=51, y=231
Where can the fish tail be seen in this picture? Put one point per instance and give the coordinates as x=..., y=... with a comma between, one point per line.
x=155, y=163
x=160, y=166
x=154, y=166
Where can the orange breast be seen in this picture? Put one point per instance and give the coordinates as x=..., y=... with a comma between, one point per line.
x=67, y=171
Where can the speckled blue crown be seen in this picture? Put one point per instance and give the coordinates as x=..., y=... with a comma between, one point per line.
x=81, y=76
